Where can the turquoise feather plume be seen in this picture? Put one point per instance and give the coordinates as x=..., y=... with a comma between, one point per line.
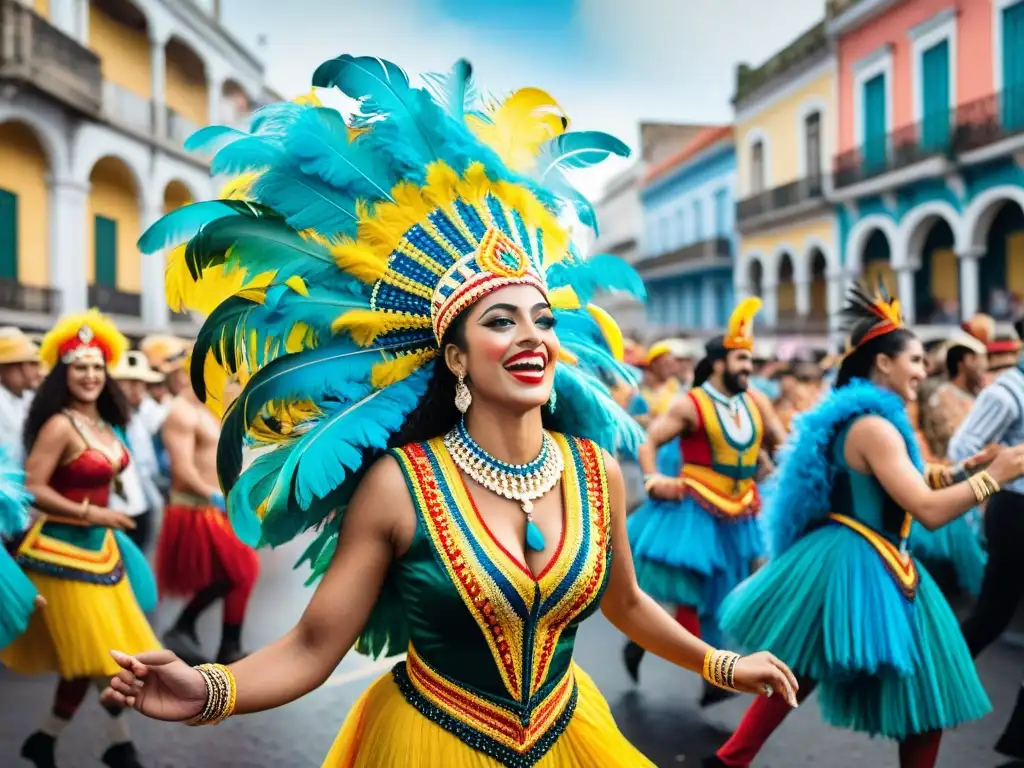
x=594, y=414
x=602, y=272
x=578, y=149
x=182, y=224
x=454, y=91
x=14, y=499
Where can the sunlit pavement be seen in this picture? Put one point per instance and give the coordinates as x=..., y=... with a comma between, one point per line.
x=659, y=716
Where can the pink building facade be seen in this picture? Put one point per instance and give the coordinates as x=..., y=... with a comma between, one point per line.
x=930, y=116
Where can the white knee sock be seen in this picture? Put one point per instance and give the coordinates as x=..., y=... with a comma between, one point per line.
x=118, y=731
x=53, y=725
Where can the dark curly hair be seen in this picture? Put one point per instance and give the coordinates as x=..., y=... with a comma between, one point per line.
x=53, y=396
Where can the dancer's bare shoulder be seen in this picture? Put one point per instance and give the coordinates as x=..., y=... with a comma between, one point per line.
x=382, y=504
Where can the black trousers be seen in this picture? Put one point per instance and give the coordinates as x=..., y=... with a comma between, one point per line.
x=142, y=533
x=1003, y=586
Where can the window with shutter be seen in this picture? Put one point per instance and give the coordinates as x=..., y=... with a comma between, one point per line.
x=105, y=240
x=8, y=235
x=875, y=138
x=935, y=98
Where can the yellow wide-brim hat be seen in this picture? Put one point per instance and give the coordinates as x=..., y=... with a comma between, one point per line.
x=16, y=347
x=135, y=367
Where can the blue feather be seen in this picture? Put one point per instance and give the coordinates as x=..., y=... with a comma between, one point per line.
x=183, y=223
x=454, y=91
x=252, y=153
x=140, y=575
x=600, y=272
x=253, y=486
x=306, y=202
x=212, y=137
x=578, y=149
x=14, y=499
x=382, y=88
x=594, y=414
x=568, y=195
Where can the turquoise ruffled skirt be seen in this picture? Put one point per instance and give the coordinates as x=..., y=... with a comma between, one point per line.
x=957, y=543
x=830, y=609
x=17, y=599
x=686, y=556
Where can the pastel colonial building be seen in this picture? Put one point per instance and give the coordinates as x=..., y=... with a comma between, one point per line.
x=96, y=99
x=927, y=180
x=785, y=124
x=620, y=217
x=688, y=240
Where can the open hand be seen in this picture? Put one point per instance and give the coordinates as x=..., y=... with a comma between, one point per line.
x=1008, y=465
x=108, y=518
x=764, y=675
x=158, y=684
x=984, y=457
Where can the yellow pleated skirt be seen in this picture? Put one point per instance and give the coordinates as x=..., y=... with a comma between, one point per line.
x=81, y=623
x=384, y=731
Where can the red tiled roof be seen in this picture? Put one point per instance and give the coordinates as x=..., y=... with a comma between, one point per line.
x=706, y=138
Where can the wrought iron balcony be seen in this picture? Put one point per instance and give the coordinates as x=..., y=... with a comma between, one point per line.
x=107, y=299
x=36, y=54
x=126, y=107
x=985, y=121
x=712, y=252
x=780, y=199
x=902, y=148
x=28, y=298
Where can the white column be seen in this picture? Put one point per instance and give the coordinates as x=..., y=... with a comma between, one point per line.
x=970, y=288
x=82, y=27
x=68, y=248
x=802, y=289
x=834, y=301
x=906, y=292
x=158, y=85
x=215, y=84
x=770, y=299
x=155, y=314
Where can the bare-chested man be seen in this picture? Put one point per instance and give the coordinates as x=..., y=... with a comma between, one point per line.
x=199, y=555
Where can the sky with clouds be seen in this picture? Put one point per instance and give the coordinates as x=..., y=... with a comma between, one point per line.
x=610, y=63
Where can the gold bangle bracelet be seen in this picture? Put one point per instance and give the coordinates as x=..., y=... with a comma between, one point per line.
x=719, y=668
x=220, y=695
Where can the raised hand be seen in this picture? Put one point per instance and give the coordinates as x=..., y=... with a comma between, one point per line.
x=158, y=684
x=755, y=673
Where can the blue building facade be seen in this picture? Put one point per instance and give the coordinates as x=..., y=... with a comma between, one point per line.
x=688, y=240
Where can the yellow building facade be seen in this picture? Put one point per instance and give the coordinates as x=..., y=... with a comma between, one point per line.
x=785, y=121
x=88, y=160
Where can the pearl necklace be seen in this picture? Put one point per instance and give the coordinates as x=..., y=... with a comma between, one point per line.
x=519, y=482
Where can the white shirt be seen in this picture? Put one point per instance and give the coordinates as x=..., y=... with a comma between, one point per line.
x=139, y=478
x=13, y=410
x=152, y=414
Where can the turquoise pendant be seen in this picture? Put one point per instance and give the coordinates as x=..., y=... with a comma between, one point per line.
x=534, y=538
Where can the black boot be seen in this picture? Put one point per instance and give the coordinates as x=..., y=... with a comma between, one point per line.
x=185, y=646
x=231, y=644
x=632, y=655
x=712, y=694
x=1011, y=743
x=38, y=749
x=122, y=756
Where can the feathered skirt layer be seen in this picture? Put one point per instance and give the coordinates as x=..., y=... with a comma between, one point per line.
x=686, y=556
x=197, y=548
x=885, y=664
x=17, y=599
x=383, y=730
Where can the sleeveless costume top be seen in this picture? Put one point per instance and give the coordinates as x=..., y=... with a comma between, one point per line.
x=720, y=455
x=491, y=644
x=69, y=549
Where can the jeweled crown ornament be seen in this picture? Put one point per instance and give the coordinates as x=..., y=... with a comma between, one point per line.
x=520, y=482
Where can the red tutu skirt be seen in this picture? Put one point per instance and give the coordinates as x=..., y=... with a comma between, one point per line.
x=198, y=548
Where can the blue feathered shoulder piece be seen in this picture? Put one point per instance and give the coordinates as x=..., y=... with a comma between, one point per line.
x=807, y=469
x=340, y=253
x=14, y=499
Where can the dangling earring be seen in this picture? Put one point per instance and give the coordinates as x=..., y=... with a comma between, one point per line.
x=552, y=400
x=463, y=397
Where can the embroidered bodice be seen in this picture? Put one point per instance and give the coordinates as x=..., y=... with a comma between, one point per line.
x=720, y=454
x=490, y=653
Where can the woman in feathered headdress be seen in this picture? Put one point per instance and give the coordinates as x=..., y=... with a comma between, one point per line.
x=399, y=282
x=844, y=602
x=95, y=581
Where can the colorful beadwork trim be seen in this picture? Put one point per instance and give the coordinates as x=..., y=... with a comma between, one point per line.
x=736, y=459
x=53, y=557
x=902, y=568
x=699, y=482
x=514, y=739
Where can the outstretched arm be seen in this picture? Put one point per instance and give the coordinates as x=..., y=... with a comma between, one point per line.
x=378, y=524
x=642, y=620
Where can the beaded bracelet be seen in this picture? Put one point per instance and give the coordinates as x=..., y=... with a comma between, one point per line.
x=220, y=695
x=719, y=668
x=983, y=485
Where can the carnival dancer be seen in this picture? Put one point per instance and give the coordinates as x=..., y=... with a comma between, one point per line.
x=95, y=581
x=998, y=417
x=843, y=601
x=18, y=595
x=483, y=539
x=198, y=555
x=697, y=537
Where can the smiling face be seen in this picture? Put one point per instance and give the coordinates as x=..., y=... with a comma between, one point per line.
x=87, y=375
x=904, y=372
x=510, y=349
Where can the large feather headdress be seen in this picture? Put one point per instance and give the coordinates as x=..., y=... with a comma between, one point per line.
x=341, y=252
x=77, y=335
x=877, y=306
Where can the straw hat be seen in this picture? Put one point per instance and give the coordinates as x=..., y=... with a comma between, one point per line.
x=15, y=347
x=165, y=353
x=134, y=366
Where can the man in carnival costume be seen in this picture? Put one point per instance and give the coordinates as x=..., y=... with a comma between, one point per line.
x=698, y=535
x=998, y=417
x=411, y=400
x=198, y=555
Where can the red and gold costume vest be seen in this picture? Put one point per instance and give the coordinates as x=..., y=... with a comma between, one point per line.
x=720, y=454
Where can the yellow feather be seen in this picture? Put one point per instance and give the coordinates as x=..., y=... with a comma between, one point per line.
x=393, y=371
x=290, y=418
x=610, y=330
x=238, y=187
x=517, y=127
x=215, y=285
x=359, y=260
x=739, y=333
x=565, y=356
x=563, y=298
x=103, y=330
x=365, y=325
x=309, y=99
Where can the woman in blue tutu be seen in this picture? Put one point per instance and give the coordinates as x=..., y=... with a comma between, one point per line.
x=843, y=602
